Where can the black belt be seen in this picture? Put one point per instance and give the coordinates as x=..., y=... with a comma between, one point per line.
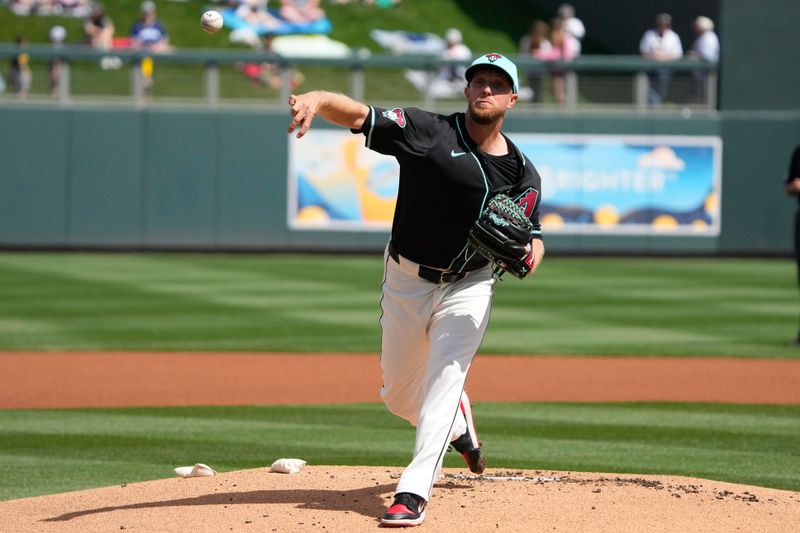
x=430, y=274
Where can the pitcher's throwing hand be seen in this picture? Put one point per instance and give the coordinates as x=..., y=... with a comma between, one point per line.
x=335, y=108
x=303, y=108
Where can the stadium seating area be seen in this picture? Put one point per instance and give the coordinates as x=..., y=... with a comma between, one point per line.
x=234, y=22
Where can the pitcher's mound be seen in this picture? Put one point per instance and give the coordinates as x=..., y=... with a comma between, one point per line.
x=349, y=499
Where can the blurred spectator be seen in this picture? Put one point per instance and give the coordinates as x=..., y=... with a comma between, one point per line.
x=21, y=7
x=704, y=48
x=19, y=70
x=271, y=73
x=99, y=28
x=255, y=13
x=147, y=31
x=706, y=43
x=449, y=80
x=535, y=43
x=660, y=44
x=792, y=185
x=562, y=48
x=573, y=26
x=24, y=7
x=301, y=11
x=57, y=36
x=455, y=50
x=72, y=8
x=536, y=38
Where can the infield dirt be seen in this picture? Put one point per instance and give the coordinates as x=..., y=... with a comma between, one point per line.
x=122, y=379
x=349, y=499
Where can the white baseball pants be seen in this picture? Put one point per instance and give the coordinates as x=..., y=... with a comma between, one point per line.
x=430, y=334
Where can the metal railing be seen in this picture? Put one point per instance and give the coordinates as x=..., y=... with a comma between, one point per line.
x=604, y=82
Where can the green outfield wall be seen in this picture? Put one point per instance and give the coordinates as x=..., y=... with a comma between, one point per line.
x=199, y=178
x=150, y=177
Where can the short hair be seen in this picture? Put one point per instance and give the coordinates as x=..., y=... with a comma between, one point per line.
x=566, y=11
x=453, y=35
x=704, y=23
x=664, y=18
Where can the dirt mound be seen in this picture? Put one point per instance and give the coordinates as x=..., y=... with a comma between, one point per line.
x=335, y=498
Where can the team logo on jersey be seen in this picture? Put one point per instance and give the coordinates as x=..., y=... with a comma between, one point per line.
x=396, y=115
x=527, y=200
x=493, y=57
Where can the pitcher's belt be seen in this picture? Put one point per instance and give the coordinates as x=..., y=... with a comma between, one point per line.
x=430, y=274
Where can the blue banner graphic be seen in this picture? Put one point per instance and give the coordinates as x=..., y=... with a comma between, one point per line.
x=667, y=185
x=609, y=184
x=336, y=183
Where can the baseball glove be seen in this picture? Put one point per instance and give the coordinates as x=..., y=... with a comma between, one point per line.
x=501, y=234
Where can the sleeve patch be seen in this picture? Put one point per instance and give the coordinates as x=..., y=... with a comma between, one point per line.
x=396, y=115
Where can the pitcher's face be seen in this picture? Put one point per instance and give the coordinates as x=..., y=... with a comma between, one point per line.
x=489, y=94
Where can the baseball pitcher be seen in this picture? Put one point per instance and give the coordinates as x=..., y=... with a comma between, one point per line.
x=467, y=210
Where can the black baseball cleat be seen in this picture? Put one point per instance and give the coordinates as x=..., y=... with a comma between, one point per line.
x=407, y=510
x=472, y=455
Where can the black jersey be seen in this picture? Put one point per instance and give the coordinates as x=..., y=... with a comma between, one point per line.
x=445, y=182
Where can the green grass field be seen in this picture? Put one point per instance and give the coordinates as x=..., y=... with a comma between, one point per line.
x=685, y=307
x=51, y=451
x=602, y=306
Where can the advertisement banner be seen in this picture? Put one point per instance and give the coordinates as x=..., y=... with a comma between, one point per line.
x=608, y=184
x=336, y=183
x=626, y=184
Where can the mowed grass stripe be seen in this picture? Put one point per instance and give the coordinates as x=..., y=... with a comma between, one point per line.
x=251, y=302
x=164, y=302
x=86, y=448
x=651, y=306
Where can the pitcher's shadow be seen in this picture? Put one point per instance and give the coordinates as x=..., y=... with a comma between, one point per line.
x=366, y=501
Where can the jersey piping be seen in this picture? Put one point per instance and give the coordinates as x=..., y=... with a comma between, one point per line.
x=483, y=202
x=371, y=126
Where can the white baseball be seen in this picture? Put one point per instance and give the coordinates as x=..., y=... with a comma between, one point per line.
x=211, y=21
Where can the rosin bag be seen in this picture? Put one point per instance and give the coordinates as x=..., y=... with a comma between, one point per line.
x=198, y=470
x=287, y=466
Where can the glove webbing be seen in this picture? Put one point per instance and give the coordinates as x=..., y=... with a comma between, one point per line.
x=506, y=207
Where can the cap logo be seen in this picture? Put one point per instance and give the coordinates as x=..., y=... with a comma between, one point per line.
x=493, y=57
x=396, y=115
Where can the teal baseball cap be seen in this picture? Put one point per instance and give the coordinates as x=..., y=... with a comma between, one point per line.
x=497, y=61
